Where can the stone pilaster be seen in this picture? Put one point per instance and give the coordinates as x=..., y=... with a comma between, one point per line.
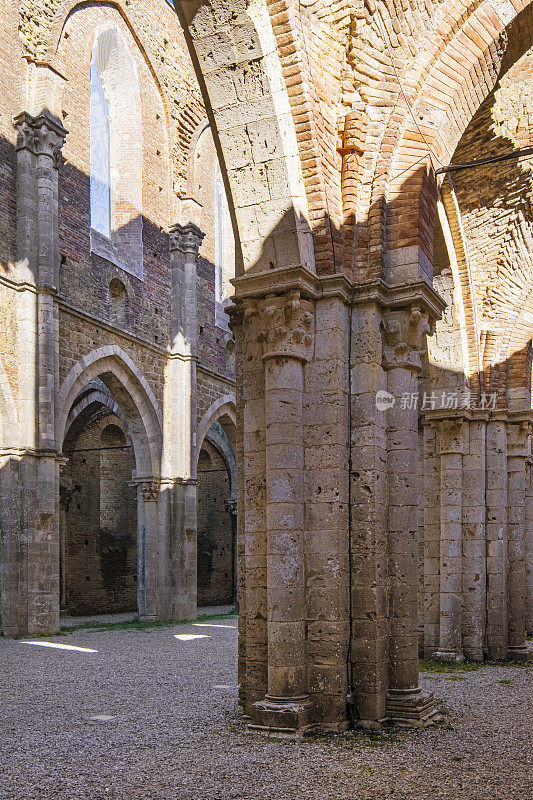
x=518, y=452
x=179, y=462
x=404, y=337
x=286, y=333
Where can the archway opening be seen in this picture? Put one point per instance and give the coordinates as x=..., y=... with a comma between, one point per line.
x=98, y=509
x=217, y=509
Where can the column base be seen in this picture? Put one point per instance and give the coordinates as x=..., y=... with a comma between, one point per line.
x=288, y=716
x=448, y=656
x=148, y=618
x=411, y=708
x=522, y=653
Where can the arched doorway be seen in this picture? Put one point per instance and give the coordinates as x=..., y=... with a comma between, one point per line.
x=106, y=391
x=216, y=554
x=98, y=509
x=217, y=508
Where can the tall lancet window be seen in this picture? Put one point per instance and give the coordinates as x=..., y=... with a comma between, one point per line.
x=220, y=201
x=100, y=157
x=116, y=151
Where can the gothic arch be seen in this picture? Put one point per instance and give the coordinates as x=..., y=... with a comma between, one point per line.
x=224, y=406
x=221, y=445
x=136, y=400
x=94, y=394
x=69, y=7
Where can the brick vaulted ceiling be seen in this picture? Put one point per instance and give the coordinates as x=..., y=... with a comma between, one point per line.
x=496, y=208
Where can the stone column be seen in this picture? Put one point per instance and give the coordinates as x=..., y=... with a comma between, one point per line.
x=496, y=527
x=286, y=332
x=518, y=451
x=451, y=447
x=370, y=597
x=148, y=547
x=38, y=148
x=431, y=539
x=231, y=508
x=404, y=336
x=474, y=537
x=181, y=419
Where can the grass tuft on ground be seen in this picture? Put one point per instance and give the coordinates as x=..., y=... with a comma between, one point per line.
x=66, y=630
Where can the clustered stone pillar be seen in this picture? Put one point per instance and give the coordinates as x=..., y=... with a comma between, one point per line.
x=404, y=334
x=180, y=425
x=38, y=148
x=475, y=563
x=286, y=323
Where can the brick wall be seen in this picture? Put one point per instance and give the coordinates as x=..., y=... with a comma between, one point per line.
x=215, y=532
x=99, y=520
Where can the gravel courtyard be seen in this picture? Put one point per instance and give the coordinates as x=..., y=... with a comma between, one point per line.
x=152, y=717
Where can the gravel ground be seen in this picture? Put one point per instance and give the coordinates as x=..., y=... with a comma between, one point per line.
x=169, y=728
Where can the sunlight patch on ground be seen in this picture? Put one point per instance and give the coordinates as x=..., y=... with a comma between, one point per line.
x=57, y=646
x=212, y=625
x=186, y=637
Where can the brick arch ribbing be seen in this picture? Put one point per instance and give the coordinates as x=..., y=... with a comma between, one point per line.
x=450, y=100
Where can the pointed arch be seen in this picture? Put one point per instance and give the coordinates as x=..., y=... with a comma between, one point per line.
x=224, y=406
x=135, y=398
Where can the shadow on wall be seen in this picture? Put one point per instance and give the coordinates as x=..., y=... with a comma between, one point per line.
x=92, y=285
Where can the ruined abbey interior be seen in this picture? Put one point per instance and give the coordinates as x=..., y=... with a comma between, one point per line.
x=265, y=335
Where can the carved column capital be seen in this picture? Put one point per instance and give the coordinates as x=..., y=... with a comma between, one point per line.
x=518, y=433
x=185, y=238
x=149, y=490
x=451, y=435
x=40, y=135
x=231, y=506
x=282, y=323
x=404, y=335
